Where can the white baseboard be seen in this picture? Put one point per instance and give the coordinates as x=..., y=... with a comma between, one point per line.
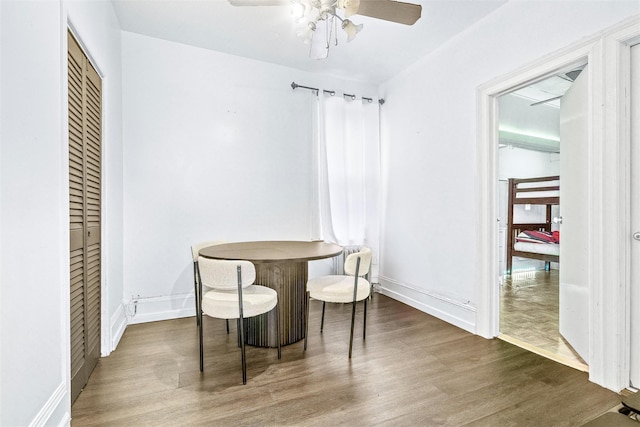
x=118, y=325
x=51, y=407
x=154, y=309
x=460, y=314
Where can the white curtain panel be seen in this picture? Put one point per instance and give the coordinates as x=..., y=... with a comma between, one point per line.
x=348, y=171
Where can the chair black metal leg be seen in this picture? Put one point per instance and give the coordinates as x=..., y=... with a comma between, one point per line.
x=353, y=318
x=239, y=326
x=200, y=323
x=199, y=315
x=278, y=332
x=196, y=293
x=244, y=357
x=197, y=305
x=322, y=320
x=364, y=329
x=227, y=320
x=355, y=299
x=306, y=321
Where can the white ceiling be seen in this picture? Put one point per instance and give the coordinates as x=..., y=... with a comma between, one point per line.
x=267, y=33
x=550, y=90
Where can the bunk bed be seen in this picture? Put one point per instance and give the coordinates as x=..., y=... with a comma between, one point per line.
x=533, y=240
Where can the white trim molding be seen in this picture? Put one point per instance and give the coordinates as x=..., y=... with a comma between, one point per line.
x=117, y=326
x=610, y=303
x=608, y=258
x=458, y=313
x=43, y=417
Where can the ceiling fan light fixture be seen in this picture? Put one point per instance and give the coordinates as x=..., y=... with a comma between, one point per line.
x=308, y=13
x=298, y=10
x=301, y=11
x=350, y=7
x=351, y=29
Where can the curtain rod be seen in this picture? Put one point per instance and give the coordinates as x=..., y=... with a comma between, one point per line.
x=295, y=86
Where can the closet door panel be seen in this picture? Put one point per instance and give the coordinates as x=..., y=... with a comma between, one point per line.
x=85, y=183
x=93, y=205
x=76, y=217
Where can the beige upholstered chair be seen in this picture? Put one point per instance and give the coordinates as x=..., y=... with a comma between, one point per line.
x=231, y=294
x=350, y=287
x=195, y=249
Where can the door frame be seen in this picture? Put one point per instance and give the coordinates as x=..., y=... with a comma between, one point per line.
x=608, y=56
x=634, y=368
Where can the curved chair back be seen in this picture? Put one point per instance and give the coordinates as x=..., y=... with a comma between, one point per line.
x=352, y=259
x=223, y=274
x=195, y=249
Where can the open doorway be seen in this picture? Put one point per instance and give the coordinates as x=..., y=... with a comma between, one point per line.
x=605, y=317
x=529, y=168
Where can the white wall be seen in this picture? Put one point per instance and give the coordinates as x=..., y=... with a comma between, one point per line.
x=31, y=211
x=34, y=273
x=429, y=136
x=520, y=163
x=217, y=147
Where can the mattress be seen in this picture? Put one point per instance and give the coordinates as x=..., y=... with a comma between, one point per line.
x=538, y=248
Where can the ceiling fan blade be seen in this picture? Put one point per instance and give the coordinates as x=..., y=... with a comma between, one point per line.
x=259, y=2
x=390, y=10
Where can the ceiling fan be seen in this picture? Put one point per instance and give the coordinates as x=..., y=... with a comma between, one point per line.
x=318, y=19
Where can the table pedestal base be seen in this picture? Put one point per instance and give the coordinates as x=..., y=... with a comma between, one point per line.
x=289, y=279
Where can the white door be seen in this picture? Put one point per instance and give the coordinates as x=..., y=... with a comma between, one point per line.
x=574, y=291
x=635, y=216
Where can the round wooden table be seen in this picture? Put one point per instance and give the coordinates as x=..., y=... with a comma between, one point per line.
x=283, y=266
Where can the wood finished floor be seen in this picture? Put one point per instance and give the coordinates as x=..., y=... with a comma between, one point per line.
x=413, y=370
x=529, y=313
